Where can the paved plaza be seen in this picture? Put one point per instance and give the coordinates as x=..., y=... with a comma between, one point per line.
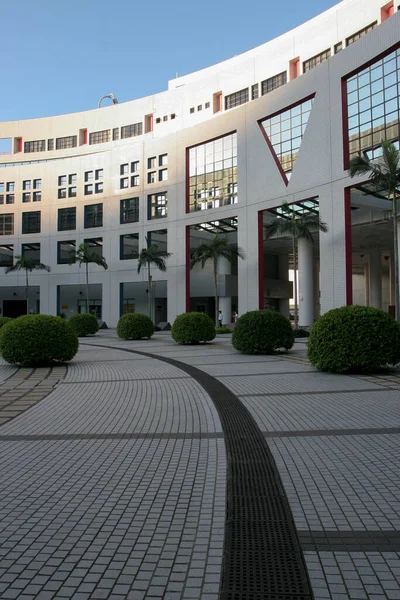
x=115, y=474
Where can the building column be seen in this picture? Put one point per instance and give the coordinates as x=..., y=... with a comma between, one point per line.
x=392, y=286
x=366, y=285
x=317, y=304
x=225, y=302
x=375, y=278
x=306, y=283
x=283, y=273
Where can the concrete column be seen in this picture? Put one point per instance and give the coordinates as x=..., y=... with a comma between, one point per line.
x=375, y=278
x=366, y=284
x=283, y=273
x=392, y=286
x=306, y=283
x=225, y=302
x=317, y=306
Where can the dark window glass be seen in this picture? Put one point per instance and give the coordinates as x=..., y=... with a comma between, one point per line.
x=65, y=251
x=95, y=245
x=116, y=133
x=93, y=216
x=129, y=208
x=157, y=206
x=338, y=47
x=254, y=91
x=129, y=131
x=7, y=224
x=35, y=146
x=37, y=184
x=26, y=185
x=31, y=222
x=66, y=218
x=72, y=192
x=129, y=246
x=62, y=192
x=10, y=198
x=272, y=83
x=6, y=255
x=66, y=142
x=37, y=196
x=31, y=251
x=316, y=60
x=100, y=137
x=237, y=99
x=159, y=238
x=50, y=144
x=359, y=34
x=26, y=197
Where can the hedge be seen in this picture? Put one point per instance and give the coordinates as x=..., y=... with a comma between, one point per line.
x=193, y=328
x=135, y=326
x=84, y=324
x=262, y=332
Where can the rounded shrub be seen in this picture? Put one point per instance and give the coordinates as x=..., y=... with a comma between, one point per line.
x=37, y=340
x=193, y=328
x=262, y=332
x=84, y=324
x=4, y=320
x=135, y=326
x=354, y=338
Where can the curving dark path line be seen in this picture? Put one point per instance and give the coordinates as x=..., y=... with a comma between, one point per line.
x=262, y=554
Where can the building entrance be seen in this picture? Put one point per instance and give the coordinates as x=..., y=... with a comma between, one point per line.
x=14, y=308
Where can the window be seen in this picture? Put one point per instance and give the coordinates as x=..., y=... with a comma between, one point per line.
x=135, y=166
x=151, y=162
x=66, y=142
x=158, y=120
x=66, y=218
x=36, y=146
x=254, y=91
x=11, y=186
x=200, y=107
x=37, y=184
x=207, y=105
x=1, y=198
x=93, y=216
x=191, y=110
x=236, y=99
x=1, y=188
x=134, y=180
x=7, y=224
x=173, y=116
x=115, y=134
x=88, y=189
x=163, y=175
x=7, y=255
x=62, y=193
x=72, y=179
x=37, y=196
x=123, y=170
x=26, y=197
x=31, y=251
x=129, y=210
x=72, y=191
x=151, y=177
x=65, y=250
x=285, y=132
x=338, y=47
x=212, y=168
x=10, y=198
x=356, y=36
x=157, y=206
x=95, y=245
x=99, y=137
x=26, y=185
x=124, y=183
x=99, y=173
x=50, y=144
x=316, y=60
x=159, y=237
x=31, y=222
x=163, y=160
x=272, y=83
x=62, y=180
x=98, y=188
x=129, y=246
x=88, y=175
x=129, y=131
x=373, y=107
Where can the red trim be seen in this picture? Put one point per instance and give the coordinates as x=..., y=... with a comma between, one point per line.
x=260, y=260
x=278, y=112
x=187, y=256
x=348, y=246
x=85, y=136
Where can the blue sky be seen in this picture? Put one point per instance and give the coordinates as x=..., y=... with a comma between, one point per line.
x=61, y=56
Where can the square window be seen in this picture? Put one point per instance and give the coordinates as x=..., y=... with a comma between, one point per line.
x=123, y=170
x=158, y=120
x=207, y=105
x=62, y=193
x=116, y=134
x=10, y=198
x=192, y=110
x=98, y=188
x=93, y=216
x=163, y=160
x=7, y=224
x=157, y=206
x=37, y=196
x=165, y=118
x=151, y=177
x=1, y=198
x=124, y=183
x=151, y=162
x=72, y=192
x=200, y=107
x=62, y=180
x=26, y=197
x=88, y=189
x=173, y=116
x=129, y=210
x=26, y=185
x=99, y=173
x=1, y=188
x=129, y=246
x=89, y=176
x=7, y=255
x=66, y=218
x=95, y=245
x=163, y=175
x=65, y=250
x=37, y=184
x=135, y=166
x=31, y=251
x=72, y=179
x=10, y=186
x=31, y=222
x=134, y=180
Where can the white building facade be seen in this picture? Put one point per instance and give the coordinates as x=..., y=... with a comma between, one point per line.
x=219, y=151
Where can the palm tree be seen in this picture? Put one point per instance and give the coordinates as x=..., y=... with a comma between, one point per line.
x=152, y=255
x=84, y=255
x=28, y=265
x=297, y=225
x=384, y=173
x=216, y=249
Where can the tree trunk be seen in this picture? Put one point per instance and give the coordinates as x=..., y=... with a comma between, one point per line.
x=149, y=292
x=296, y=318
x=216, y=294
x=27, y=292
x=87, y=287
x=396, y=257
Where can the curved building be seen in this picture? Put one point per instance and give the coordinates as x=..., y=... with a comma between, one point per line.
x=219, y=151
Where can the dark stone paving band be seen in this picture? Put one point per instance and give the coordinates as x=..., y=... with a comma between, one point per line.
x=110, y=436
x=350, y=541
x=262, y=554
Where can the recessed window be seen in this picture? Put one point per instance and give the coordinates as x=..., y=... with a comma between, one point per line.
x=98, y=188
x=65, y=250
x=157, y=206
x=62, y=180
x=95, y=245
x=7, y=255
x=316, y=60
x=99, y=173
x=254, y=91
x=10, y=198
x=66, y=142
x=26, y=197
x=50, y=144
x=100, y=137
x=359, y=34
x=163, y=160
x=123, y=170
x=135, y=166
x=173, y=116
x=88, y=189
x=88, y=175
x=31, y=222
x=200, y=107
x=236, y=99
x=32, y=252
x=129, y=246
x=192, y=110
x=151, y=162
x=37, y=184
x=129, y=131
x=207, y=105
x=72, y=179
x=129, y=210
x=272, y=83
x=165, y=118
x=72, y=191
x=10, y=186
x=116, y=134
x=37, y=196
x=124, y=183
x=134, y=180
x=158, y=120
x=66, y=218
x=7, y=224
x=62, y=193
x=338, y=47
x=1, y=188
x=93, y=216
x=163, y=175
x=151, y=177
x=35, y=146
x=26, y=185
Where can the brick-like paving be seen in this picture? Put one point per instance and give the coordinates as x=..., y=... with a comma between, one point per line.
x=113, y=484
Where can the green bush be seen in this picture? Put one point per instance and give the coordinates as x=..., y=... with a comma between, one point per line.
x=84, y=324
x=262, y=332
x=193, y=328
x=37, y=340
x=135, y=326
x=301, y=333
x=223, y=329
x=354, y=338
x=4, y=320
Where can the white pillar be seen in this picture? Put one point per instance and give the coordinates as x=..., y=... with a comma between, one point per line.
x=306, y=283
x=366, y=284
x=283, y=273
x=225, y=302
x=317, y=304
x=375, y=278
x=392, y=287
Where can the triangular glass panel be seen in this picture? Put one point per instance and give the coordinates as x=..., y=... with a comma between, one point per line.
x=284, y=132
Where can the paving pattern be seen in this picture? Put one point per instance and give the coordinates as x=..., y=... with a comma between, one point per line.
x=113, y=485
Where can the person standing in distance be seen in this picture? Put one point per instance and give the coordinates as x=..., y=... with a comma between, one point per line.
x=220, y=318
